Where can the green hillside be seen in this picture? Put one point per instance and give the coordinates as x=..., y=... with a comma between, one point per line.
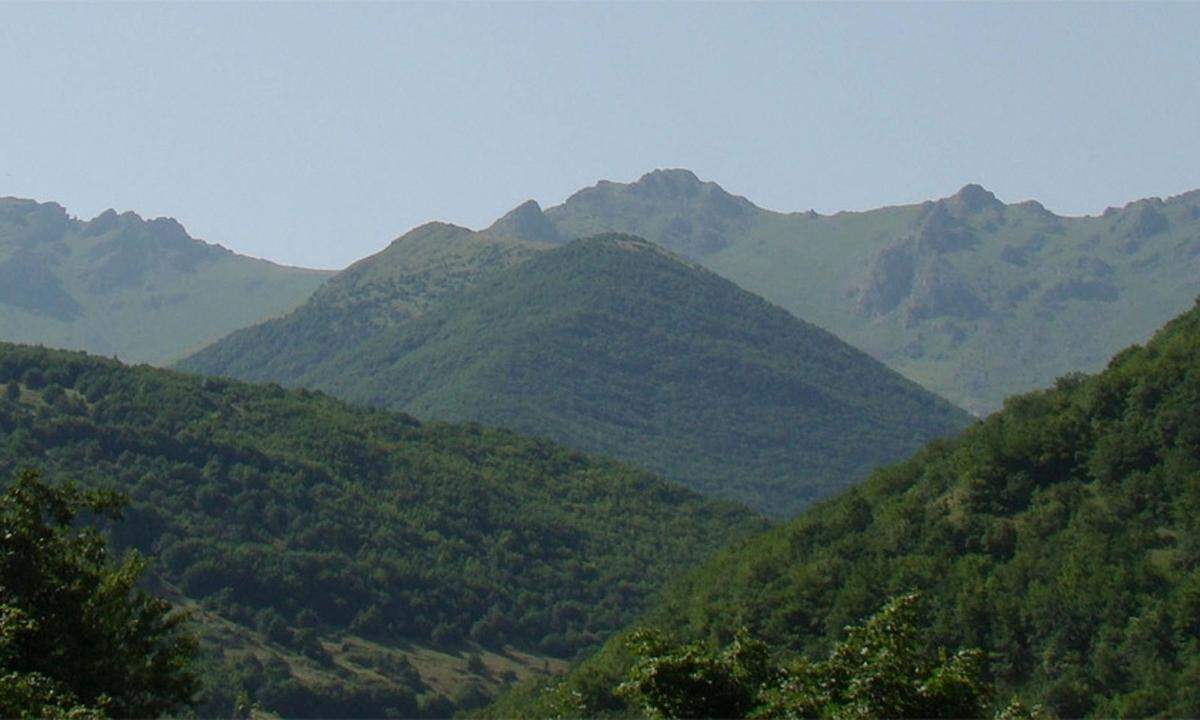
x=972, y=298
x=1061, y=536
x=346, y=560
x=414, y=273
x=612, y=346
x=120, y=285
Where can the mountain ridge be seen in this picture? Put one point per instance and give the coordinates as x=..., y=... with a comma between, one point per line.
x=121, y=284
x=616, y=346
x=411, y=274
x=978, y=288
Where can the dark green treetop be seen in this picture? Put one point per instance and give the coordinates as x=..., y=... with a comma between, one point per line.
x=77, y=637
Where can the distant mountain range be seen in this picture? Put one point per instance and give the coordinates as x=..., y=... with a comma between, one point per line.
x=121, y=285
x=970, y=297
x=1060, y=536
x=610, y=345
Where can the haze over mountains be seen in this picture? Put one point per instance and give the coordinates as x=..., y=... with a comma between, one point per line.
x=121, y=285
x=970, y=297
x=610, y=345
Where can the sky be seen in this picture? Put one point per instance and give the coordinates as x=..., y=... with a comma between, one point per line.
x=314, y=134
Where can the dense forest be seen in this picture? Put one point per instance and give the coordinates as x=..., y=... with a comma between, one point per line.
x=1059, y=537
x=614, y=346
x=303, y=518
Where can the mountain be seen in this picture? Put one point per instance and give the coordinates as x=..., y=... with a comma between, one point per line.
x=346, y=559
x=415, y=272
x=1061, y=536
x=122, y=285
x=614, y=346
x=970, y=297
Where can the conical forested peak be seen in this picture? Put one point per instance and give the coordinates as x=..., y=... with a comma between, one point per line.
x=611, y=344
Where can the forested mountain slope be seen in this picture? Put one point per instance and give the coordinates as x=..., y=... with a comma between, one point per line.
x=348, y=535
x=970, y=297
x=611, y=345
x=414, y=273
x=1061, y=536
x=120, y=285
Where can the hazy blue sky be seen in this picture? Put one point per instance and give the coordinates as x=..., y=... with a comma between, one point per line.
x=313, y=134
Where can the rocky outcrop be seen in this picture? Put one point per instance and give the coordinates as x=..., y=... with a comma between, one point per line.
x=527, y=222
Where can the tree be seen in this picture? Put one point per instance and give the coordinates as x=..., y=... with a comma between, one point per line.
x=77, y=638
x=880, y=670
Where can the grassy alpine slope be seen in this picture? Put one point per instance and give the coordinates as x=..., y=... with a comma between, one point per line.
x=121, y=285
x=359, y=539
x=1061, y=536
x=404, y=280
x=970, y=297
x=611, y=345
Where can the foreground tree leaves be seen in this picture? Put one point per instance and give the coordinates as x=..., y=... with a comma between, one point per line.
x=77, y=637
x=881, y=669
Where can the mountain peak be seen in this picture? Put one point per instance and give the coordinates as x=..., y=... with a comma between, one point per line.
x=681, y=176
x=527, y=222
x=670, y=182
x=973, y=198
x=429, y=229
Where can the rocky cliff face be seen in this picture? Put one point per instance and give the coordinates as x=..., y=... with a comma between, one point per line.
x=913, y=274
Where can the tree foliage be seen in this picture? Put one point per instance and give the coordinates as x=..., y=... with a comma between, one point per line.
x=77, y=637
x=1059, y=536
x=881, y=669
x=286, y=510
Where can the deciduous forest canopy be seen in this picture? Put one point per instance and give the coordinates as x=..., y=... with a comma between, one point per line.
x=1059, y=537
x=289, y=510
